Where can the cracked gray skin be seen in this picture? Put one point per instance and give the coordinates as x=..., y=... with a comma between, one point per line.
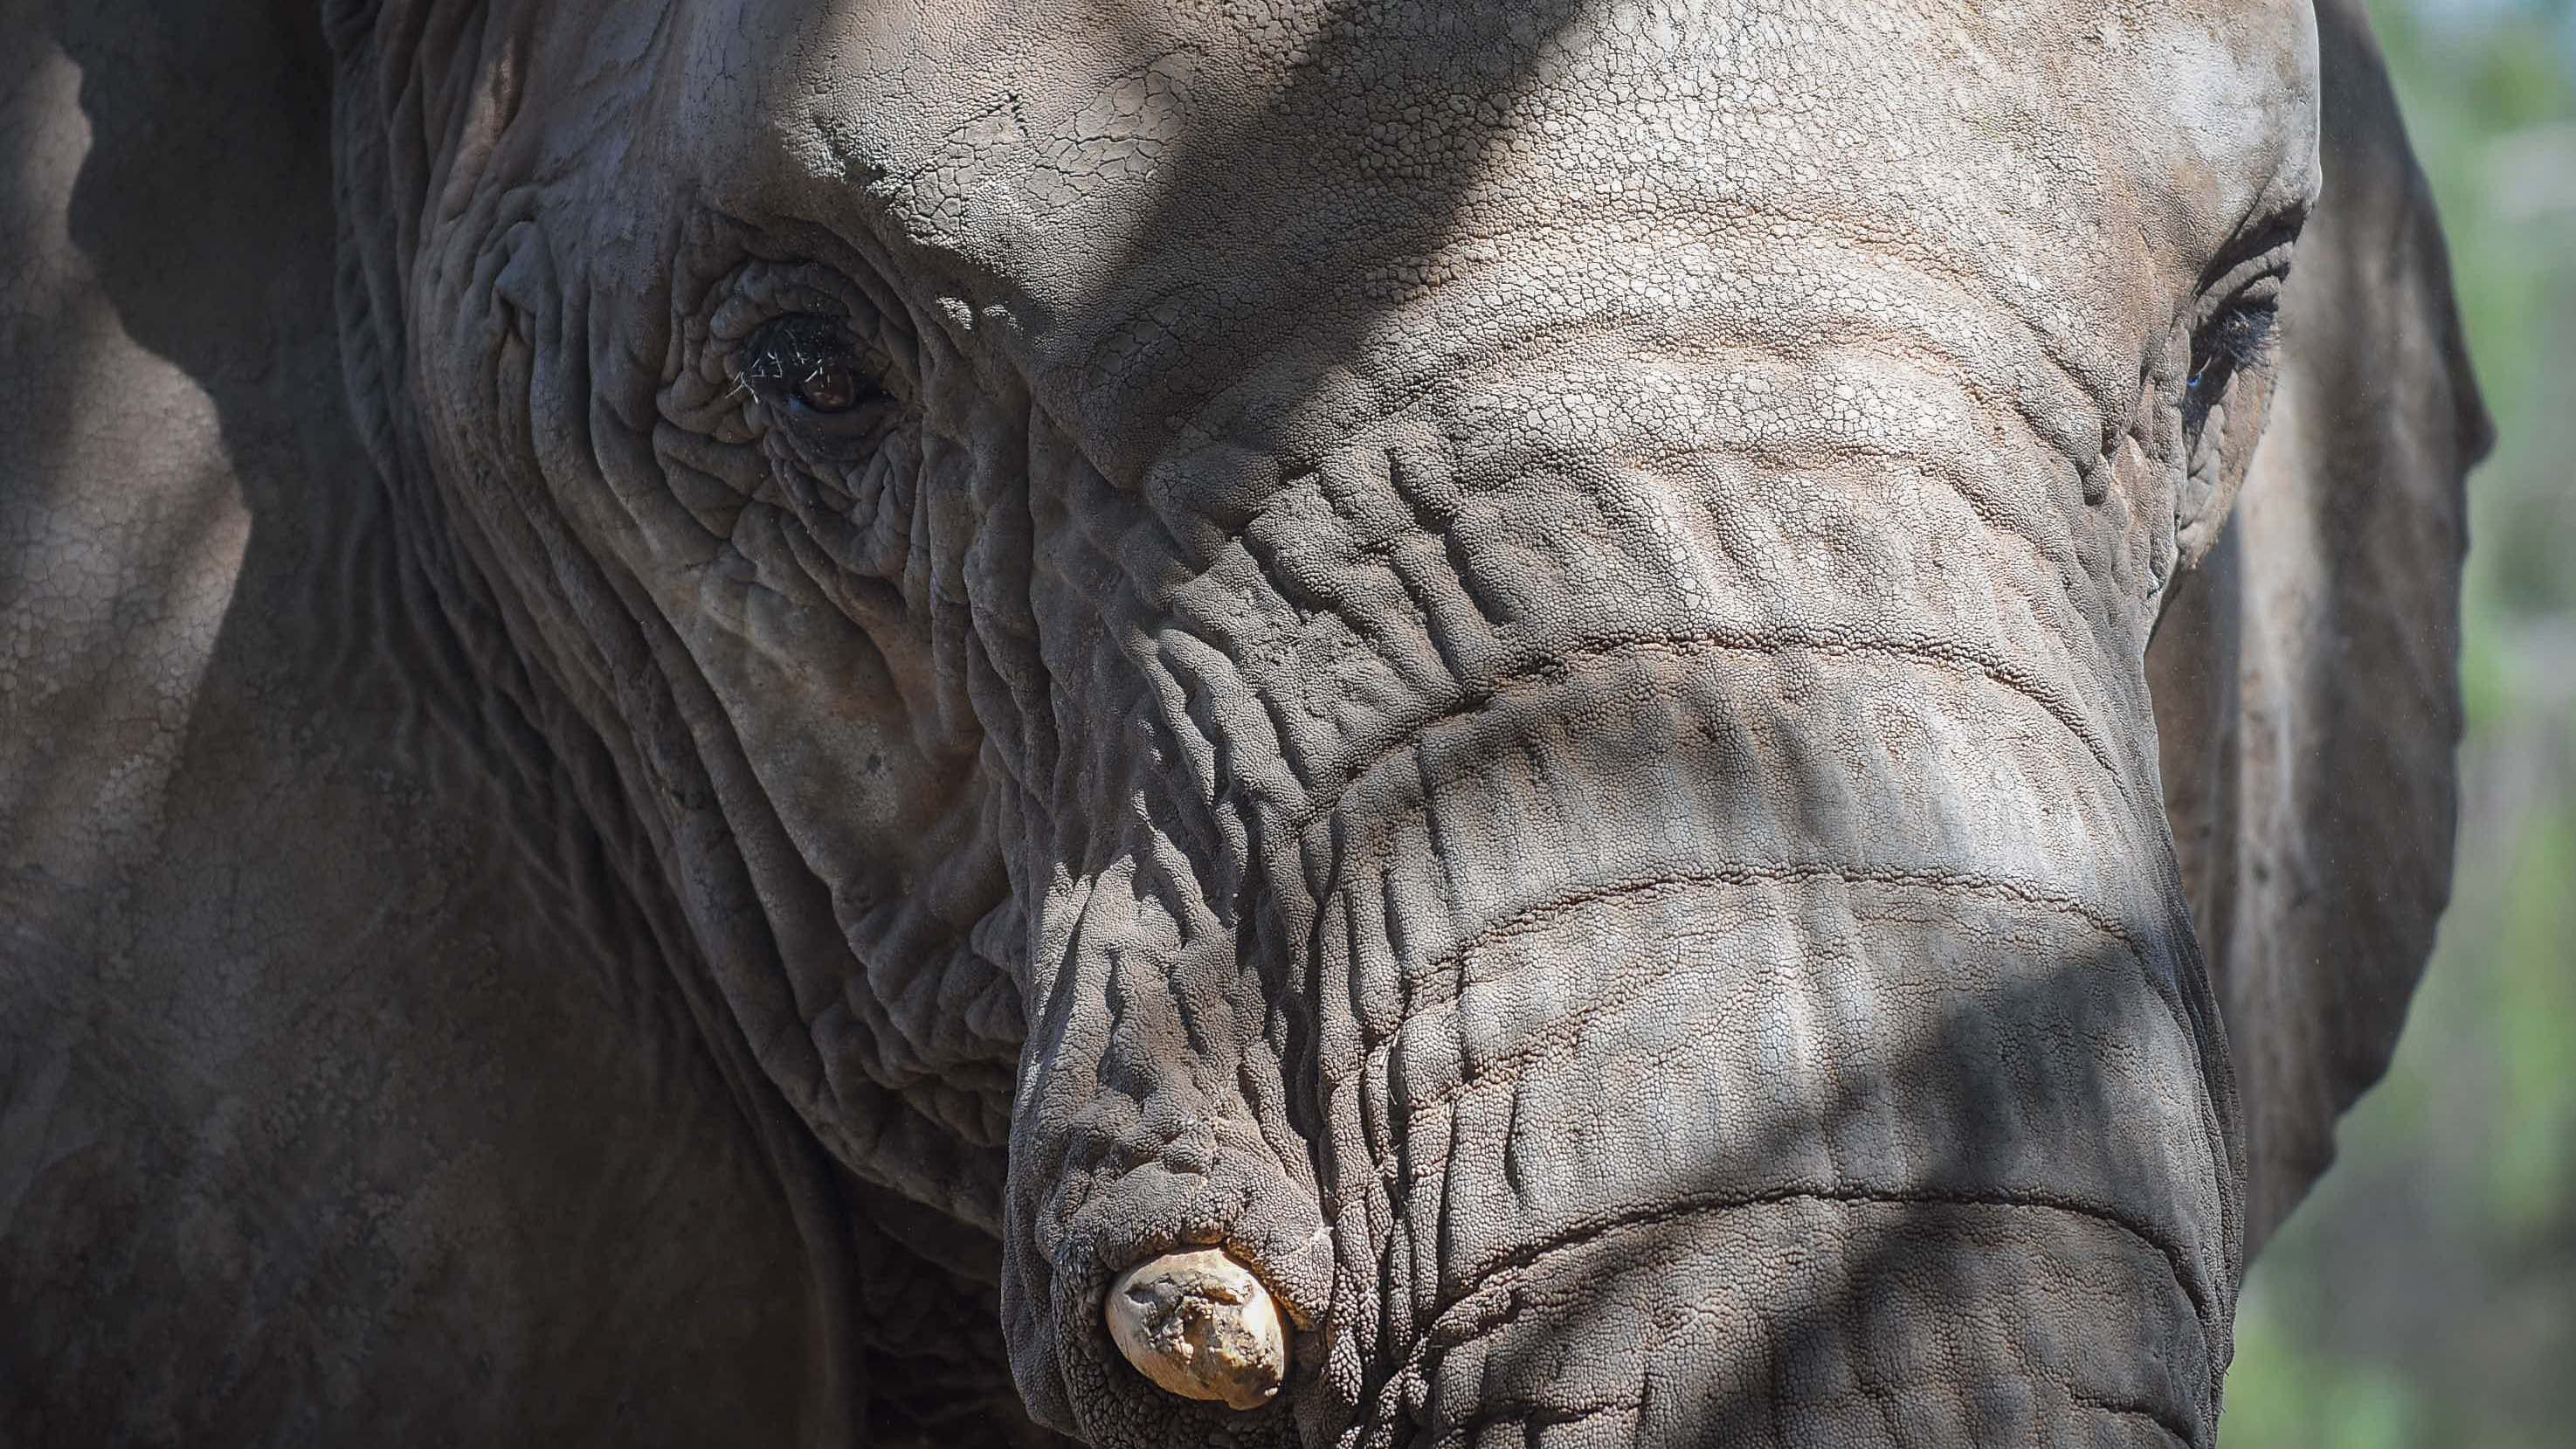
x=1507, y=658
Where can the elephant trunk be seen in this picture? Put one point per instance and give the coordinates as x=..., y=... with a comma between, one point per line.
x=1757, y=1045
x=1669, y=943
x=1784, y=1153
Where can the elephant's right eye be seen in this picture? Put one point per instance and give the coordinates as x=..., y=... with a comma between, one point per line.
x=805, y=364
x=2239, y=312
x=830, y=386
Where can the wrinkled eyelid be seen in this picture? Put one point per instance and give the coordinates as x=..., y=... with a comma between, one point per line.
x=758, y=301
x=787, y=347
x=759, y=293
x=2246, y=276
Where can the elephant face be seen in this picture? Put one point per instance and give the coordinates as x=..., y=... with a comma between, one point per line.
x=1487, y=657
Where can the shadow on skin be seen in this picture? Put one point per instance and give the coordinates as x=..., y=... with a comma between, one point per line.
x=1836, y=1315
x=371, y=1090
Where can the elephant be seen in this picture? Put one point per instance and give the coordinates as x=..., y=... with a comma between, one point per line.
x=1200, y=721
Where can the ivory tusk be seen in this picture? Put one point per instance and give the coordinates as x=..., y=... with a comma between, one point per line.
x=1201, y=1326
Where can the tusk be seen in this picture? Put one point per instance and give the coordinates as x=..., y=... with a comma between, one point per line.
x=1201, y=1326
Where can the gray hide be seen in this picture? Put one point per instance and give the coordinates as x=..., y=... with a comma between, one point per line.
x=705, y=705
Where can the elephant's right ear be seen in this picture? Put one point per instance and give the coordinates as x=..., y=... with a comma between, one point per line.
x=2305, y=678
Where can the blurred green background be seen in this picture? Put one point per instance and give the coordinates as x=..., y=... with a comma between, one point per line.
x=2426, y=1292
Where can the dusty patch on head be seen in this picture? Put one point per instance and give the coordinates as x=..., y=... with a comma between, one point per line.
x=2225, y=102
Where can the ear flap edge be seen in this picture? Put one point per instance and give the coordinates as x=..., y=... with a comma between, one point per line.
x=2306, y=676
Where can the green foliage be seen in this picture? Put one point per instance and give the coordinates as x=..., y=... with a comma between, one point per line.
x=2426, y=1294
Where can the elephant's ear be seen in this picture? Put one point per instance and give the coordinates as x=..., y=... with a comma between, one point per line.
x=2305, y=678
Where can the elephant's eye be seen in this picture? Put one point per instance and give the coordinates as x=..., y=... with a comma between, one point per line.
x=830, y=387
x=807, y=362
x=2238, y=339
x=2239, y=311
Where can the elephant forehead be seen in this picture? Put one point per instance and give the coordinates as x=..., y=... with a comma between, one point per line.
x=2239, y=103
x=1135, y=187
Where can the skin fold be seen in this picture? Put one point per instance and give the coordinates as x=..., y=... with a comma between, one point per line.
x=712, y=706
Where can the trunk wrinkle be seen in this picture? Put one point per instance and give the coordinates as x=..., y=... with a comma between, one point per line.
x=1503, y=1275
x=2180, y=1433
x=1544, y=1416
x=1953, y=654
x=1993, y=887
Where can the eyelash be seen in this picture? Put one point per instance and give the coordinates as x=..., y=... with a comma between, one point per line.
x=2236, y=340
x=805, y=362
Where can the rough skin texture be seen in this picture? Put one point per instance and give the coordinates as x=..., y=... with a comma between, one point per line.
x=706, y=704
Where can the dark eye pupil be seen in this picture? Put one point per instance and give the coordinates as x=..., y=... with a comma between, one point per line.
x=830, y=388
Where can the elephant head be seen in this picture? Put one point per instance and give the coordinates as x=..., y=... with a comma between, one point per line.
x=1436, y=719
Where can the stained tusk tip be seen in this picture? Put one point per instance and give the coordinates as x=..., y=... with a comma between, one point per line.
x=1201, y=1326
